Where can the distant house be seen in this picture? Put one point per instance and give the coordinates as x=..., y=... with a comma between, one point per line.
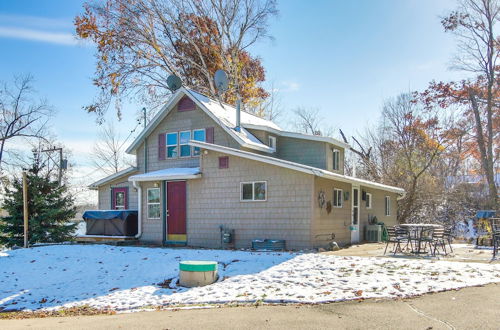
x=198, y=169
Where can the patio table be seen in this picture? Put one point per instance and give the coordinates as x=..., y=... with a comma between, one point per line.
x=415, y=231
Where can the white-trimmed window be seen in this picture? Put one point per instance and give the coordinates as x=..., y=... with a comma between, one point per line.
x=185, y=148
x=253, y=191
x=336, y=159
x=387, y=205
x=153, y=203
x=172, y=149
x=198, y=135
x=368, y=200
x=272, y=142
x=338, y=198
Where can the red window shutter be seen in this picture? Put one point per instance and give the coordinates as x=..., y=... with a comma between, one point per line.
x=224, y=162
x=185, y=104
x=209, y=131
x=161, y=146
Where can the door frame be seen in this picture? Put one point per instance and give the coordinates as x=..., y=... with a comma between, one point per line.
x=113, y=197
x=166, y=215
x=355, y=228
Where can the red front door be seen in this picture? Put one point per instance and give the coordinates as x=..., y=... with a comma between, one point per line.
x=119, y=198
x=176, y=211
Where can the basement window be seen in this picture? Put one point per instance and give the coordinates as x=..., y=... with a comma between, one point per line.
x=253, y=191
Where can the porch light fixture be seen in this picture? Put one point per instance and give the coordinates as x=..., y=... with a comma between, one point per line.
x=156, y=184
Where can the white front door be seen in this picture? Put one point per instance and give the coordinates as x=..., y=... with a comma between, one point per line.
x=355, y=215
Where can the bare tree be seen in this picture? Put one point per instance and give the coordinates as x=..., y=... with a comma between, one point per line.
x=309, y=121
x=109, y=151
x=21, y=115
x=475, y=24
x=140, y=43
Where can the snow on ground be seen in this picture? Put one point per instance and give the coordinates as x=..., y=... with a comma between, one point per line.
x=125, y=278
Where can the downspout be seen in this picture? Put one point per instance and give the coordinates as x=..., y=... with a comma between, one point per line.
x=139, y=207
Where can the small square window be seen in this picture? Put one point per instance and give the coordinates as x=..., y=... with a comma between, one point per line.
x=254, y=191
x=224, y=162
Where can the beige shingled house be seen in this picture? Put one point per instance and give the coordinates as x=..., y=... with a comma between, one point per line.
x=199, y=170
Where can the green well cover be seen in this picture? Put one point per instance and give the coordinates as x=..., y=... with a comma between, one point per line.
x=198, y=266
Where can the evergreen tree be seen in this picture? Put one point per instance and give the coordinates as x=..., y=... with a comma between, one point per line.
x=50, y=207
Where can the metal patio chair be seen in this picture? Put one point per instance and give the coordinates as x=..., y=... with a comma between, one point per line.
x=439, y=240
x=448, y=236
x=396, y=236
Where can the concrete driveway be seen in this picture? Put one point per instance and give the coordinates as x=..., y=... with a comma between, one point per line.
x=469, y=308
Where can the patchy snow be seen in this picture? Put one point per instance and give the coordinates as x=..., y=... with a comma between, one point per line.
x=126, y=278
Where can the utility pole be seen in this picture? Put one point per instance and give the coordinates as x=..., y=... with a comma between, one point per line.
x=25, y=208
x=63, y=163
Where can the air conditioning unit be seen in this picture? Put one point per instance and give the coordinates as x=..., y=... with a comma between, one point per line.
x=373, y=233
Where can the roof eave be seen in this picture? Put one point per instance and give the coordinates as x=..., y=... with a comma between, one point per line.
x=114, y=176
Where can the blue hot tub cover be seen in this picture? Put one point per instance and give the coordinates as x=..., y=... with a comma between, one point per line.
x=485, y=214
x=108, y=214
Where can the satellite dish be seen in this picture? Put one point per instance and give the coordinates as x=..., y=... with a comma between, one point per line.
x=221, y=81
x=174, y=82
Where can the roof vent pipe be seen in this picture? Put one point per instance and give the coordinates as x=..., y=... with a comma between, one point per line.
x=238, y=114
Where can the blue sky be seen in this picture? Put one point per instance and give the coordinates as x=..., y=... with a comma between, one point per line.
x=342, y=57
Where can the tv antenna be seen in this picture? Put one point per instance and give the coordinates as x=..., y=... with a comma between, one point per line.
x=174, y=82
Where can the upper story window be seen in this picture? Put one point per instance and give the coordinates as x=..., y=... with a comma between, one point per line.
x=336, y=159
x=172, y=145
x=272, y=142
x=387, y=205
x=198, y=135
x=337, y=198
x=185, y=148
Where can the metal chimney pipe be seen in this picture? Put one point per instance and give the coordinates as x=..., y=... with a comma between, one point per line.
x=238, y=114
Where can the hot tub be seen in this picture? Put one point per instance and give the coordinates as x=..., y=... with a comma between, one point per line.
x=111, y=223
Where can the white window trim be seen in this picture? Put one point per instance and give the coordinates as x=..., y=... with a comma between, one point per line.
x=336, y=151
x=253, y=191
x=387, y=206
x=172, y=145
x=341, y=198
x=185, y=144
x=272, y=142
x=148, y=203
x=192, y=137
x=370, y=199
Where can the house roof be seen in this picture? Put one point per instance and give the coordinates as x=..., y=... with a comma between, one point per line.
x=168, y=174
x=112, y=177
x=219, y=112
x=295, y=166
x=225, y=116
